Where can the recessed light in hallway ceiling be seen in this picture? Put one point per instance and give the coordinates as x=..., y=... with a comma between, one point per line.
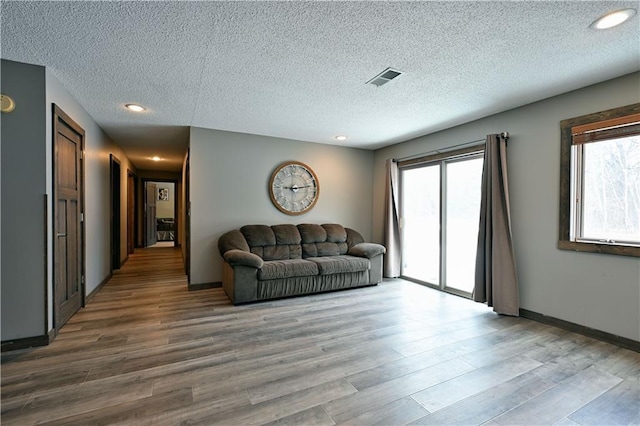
x=135, y=107
x=613, y=19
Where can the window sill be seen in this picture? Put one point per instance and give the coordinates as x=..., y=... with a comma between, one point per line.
x=619, y=250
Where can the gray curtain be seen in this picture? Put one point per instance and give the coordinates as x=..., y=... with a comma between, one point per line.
x=496, y=279
x=391, y=222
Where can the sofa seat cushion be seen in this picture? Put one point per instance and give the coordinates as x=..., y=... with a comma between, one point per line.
x=289, y=268
x=328, y=265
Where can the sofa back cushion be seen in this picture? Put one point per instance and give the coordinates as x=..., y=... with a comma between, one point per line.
x=279, y=242
x=335, y=233
x=282, y=242
x=323, y=240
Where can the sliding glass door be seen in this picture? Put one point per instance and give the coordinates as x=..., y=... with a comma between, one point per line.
x=461, y=222
x=440, y=212
x=421, y=223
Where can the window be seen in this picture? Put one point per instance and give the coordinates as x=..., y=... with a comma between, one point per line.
x=440, y=214
x=600, y=182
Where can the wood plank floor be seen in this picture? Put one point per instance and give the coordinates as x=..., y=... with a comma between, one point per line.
x=147, y=351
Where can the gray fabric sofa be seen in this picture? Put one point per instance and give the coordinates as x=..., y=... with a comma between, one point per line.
x=269, y=262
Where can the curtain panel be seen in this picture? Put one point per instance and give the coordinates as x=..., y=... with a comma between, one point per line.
x=496, y=280
x=391, y=222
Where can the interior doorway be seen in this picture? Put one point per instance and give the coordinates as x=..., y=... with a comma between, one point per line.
x=160, y=214
x=68, y=217
x=131, y=185
x=115, y=212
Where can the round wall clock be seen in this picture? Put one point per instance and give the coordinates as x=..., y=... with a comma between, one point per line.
x=294, y=188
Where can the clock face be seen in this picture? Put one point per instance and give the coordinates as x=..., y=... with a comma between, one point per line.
x=294, y=188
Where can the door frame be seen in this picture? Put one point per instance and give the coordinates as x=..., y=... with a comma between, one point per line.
x=175, y=207
x=115, y=211
x=150, y=221
x=59, y=115
x=132, y=181
x=441, y=160
x=186, y=205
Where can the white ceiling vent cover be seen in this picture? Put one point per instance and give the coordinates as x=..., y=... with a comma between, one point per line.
x=384, y=77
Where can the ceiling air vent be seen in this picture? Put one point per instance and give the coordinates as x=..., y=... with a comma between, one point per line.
x=384, y=77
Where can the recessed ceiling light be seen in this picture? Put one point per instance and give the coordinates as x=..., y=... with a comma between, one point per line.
x=135, y=107
x=156, y=158
x=612, y=19
x=340, y=138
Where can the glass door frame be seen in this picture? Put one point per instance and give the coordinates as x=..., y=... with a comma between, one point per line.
x=442, y=160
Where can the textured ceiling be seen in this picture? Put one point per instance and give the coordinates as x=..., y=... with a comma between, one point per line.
x=298, y=69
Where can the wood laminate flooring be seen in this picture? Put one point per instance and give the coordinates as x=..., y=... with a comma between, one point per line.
x=147, y=351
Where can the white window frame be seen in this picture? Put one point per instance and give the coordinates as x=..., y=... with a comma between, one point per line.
x=577, y=191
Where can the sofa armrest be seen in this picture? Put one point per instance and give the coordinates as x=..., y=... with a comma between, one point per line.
x=367, y=250
x=243, y=258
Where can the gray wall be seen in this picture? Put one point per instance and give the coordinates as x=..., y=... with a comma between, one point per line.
x=229, y=188
x=26, y=177
x=98, y=147
x=594, y=290
x=23, y=214
x=181, y=226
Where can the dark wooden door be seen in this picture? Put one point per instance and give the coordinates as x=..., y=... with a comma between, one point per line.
x=115, y=213
x=187, y=219
x=150, y=214
x=130, y=212
x=68, y=292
